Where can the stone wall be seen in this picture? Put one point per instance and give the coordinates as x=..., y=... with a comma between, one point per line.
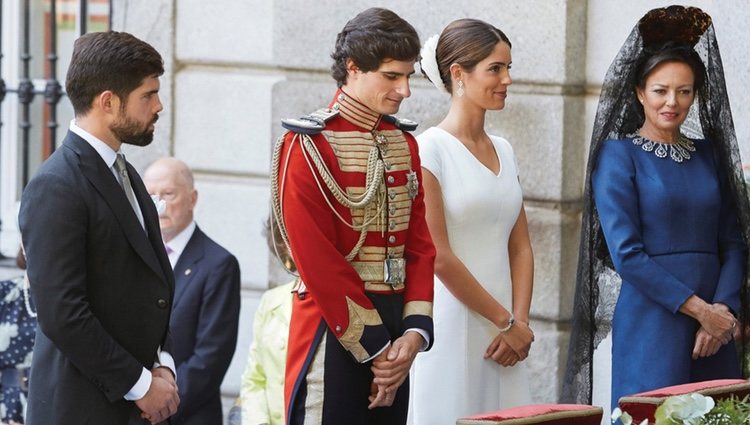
x=236, y=68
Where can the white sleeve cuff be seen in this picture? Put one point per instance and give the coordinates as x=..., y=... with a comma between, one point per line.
x=424, y=334
x=166, y=360
x=141, y=386
x=378, y=353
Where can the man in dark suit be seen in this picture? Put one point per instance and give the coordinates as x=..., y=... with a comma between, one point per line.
x=206, y=308
x=96, y=262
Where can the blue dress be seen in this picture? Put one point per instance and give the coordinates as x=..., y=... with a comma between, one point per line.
x=17, y=333
x=672, y=231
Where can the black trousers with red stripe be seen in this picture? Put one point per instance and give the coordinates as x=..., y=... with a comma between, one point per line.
x=347, y=383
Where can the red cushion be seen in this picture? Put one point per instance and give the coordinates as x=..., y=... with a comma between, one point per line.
x=643, y=405
x=551, y=414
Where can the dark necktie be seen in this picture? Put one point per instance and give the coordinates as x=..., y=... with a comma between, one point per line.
x=122, y=170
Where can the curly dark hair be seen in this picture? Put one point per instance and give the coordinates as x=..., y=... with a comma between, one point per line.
x=370, y=38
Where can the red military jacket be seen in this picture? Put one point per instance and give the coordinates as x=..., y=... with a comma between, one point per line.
x=320, y=241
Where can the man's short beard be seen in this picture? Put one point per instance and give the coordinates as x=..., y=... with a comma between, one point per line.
x=129, y=131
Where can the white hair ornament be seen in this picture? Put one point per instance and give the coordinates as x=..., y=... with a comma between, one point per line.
x=429, y=62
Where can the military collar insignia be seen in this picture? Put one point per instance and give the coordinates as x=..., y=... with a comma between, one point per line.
x=362, y=116
x=349, y=109
x=355, y=112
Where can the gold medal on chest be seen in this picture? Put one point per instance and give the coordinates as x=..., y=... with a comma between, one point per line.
x=381, y=142
x=412, y=184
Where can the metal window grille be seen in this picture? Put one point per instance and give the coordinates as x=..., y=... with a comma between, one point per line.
x=51, y=91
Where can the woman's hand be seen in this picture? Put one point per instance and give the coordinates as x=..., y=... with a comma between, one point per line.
x=718, y=322
x=716, y=319
x=501, y=353
x=519, y=337
x=705, y=344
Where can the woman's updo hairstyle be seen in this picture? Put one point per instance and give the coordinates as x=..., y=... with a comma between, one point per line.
x=466, y=42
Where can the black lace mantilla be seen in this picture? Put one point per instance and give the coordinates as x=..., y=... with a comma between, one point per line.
x=597, y=285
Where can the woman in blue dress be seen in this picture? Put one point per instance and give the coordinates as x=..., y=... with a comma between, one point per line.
x=664, y=214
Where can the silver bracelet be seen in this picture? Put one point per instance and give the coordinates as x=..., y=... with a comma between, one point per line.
x=511, y=321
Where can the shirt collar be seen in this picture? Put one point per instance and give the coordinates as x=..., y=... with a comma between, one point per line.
x=179, y=242
x=355, y=112
x=108, y=155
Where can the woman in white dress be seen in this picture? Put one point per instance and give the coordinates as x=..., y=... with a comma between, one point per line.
x=484, y=264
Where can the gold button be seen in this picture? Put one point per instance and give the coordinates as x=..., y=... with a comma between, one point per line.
x=391, y=225
x=391, y=180
x=391, y=239
x=338, y=329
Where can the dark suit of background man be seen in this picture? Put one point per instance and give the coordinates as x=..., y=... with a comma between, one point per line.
x=96, y=262
x=206, y=308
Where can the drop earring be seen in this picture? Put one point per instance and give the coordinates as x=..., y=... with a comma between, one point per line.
x=460, y=90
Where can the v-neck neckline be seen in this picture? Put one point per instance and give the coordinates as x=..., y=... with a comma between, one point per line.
x=501, y=167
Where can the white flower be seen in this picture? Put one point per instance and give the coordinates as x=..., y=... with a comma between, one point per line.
x=687, y=408
x=26, y=361
x=623, y=416
x=429, y=62
x=160, y=204
x=12, y=294
x=7, y=331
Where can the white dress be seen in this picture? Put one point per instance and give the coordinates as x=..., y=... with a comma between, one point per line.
x=453, y=379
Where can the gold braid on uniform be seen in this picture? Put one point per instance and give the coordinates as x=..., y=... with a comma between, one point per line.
x=373, y=196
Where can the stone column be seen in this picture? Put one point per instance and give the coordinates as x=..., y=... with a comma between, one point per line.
x=153, y=22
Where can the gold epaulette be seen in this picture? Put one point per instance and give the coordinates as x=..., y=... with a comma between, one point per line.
x=313, y=123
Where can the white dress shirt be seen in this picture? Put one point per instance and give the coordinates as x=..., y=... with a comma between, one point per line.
x=179, y=242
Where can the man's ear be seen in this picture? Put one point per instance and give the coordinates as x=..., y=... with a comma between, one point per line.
x=107, y=102
x=351, y=67
x=193, y=198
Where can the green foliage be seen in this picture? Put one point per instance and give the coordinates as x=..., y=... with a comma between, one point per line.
x=729, y=411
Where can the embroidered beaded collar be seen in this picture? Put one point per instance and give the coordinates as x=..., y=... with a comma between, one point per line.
x=678, y=151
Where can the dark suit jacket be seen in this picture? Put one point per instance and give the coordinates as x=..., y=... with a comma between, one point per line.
x=103, y=288
x=205, y=316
